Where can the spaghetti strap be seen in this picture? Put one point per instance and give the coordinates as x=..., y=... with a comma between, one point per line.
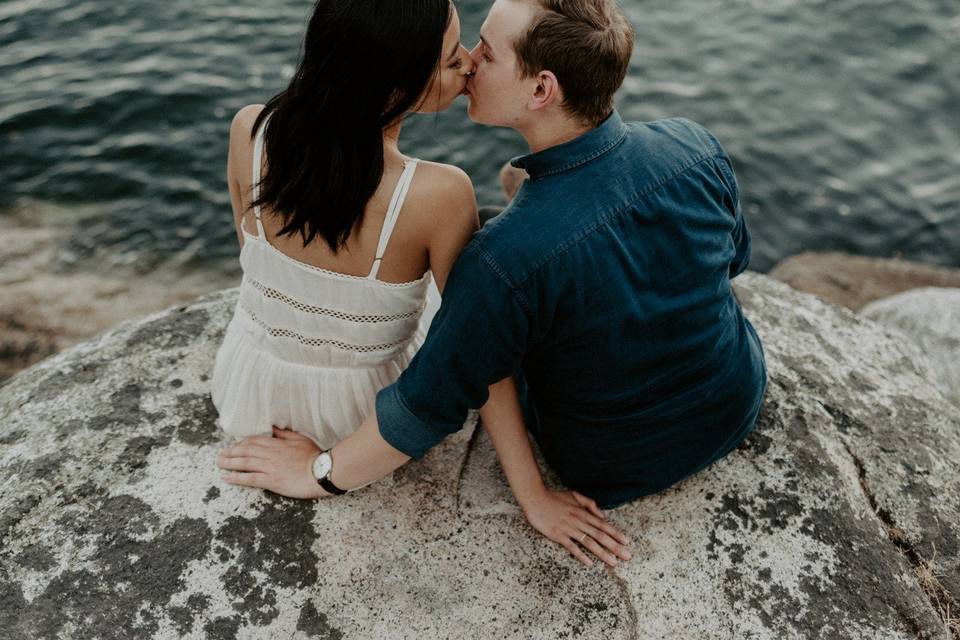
x=257, y=160
x=393, y=212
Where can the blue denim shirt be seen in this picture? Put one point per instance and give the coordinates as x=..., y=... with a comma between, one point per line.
x=605, y=287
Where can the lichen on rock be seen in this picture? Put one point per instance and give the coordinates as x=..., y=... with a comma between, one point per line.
x=837, y=517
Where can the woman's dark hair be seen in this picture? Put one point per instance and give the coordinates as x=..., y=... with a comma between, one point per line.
x=365, y=64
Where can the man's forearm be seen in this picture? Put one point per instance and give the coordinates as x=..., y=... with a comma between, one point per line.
x=364, y=456
x=503, y=420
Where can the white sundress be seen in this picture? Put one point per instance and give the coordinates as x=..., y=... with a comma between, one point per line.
x=309, y=348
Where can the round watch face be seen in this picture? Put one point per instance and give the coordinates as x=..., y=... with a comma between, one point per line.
x=322, y=464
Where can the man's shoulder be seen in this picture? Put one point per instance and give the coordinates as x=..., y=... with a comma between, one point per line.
x=509, y=245
x=478, y=265
x=679, y=138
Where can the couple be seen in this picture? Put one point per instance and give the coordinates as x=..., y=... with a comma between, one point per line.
x=595, y=311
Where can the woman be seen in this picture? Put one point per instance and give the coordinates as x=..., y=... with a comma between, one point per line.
x=338, y=243
x=341, y=236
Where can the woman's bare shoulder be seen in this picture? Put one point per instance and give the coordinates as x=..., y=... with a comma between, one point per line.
x=241, y=144
x=241, y=131
x=443, y=208
x=241, y=127
x=443, y=189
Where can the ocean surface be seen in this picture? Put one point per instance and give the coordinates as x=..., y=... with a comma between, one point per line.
x=842, y=117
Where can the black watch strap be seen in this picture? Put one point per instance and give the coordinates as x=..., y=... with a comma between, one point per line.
x=329, y=487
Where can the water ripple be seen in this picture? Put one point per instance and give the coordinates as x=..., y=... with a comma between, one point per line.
x=842, y=117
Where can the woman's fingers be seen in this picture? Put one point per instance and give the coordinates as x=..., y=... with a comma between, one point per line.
x=575, y=551
x=608, y=528
x=286, y=434
x=600, y=544
x=584, y=501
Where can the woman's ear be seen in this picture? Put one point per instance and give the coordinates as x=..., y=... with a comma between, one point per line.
x=547, y=91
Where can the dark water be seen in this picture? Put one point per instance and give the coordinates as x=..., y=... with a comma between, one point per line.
x=842, y=116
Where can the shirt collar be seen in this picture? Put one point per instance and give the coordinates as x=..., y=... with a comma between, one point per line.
x=576, y=152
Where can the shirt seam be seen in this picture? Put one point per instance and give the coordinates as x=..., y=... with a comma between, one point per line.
x=726, y=166
x=727, y=171
x=502, y=274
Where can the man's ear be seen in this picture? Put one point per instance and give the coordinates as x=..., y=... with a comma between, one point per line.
x=547, y=92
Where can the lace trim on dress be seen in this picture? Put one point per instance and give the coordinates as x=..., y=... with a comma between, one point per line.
x=335, y=274
x=273, y=294
x=322, y=342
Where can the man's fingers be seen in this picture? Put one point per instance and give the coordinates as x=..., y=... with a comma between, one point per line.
x=245, y=450
x=246, y=479
x=241, y=464
x=576, y=552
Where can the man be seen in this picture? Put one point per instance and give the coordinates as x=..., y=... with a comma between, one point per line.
x=600, y=297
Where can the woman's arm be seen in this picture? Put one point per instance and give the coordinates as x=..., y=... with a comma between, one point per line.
x=240, y=162
x=451, y=222
x=502, y=418
x=236, y=198
x=566, y=517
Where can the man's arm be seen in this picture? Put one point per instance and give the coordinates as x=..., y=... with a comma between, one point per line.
x=478, y=337
x=364, y=456
x=479, y=331
x=740, y=233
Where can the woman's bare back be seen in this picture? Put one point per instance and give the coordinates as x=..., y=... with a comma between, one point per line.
x=436, y=219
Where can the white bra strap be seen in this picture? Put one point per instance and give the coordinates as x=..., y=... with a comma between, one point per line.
x=257, y=160
x=396, y=203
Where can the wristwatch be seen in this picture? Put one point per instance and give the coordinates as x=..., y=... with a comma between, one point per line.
x=322, y=466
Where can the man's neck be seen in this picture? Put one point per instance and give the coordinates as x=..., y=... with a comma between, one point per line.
x=551, y=132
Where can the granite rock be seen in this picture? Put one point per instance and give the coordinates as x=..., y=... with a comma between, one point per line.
x=836, y=518
x=930, y=316
x=853, y=281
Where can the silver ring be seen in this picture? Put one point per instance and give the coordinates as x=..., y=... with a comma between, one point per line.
x=582, y=538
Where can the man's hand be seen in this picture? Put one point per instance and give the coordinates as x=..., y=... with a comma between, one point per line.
x=574, y=521
x=281, y=463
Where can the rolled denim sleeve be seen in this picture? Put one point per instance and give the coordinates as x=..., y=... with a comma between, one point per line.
x=477, y=338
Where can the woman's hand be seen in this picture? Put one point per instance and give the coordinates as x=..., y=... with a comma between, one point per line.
x=574, y=521
x=281, y=463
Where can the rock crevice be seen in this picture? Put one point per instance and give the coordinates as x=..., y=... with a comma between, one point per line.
x=941, y=600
